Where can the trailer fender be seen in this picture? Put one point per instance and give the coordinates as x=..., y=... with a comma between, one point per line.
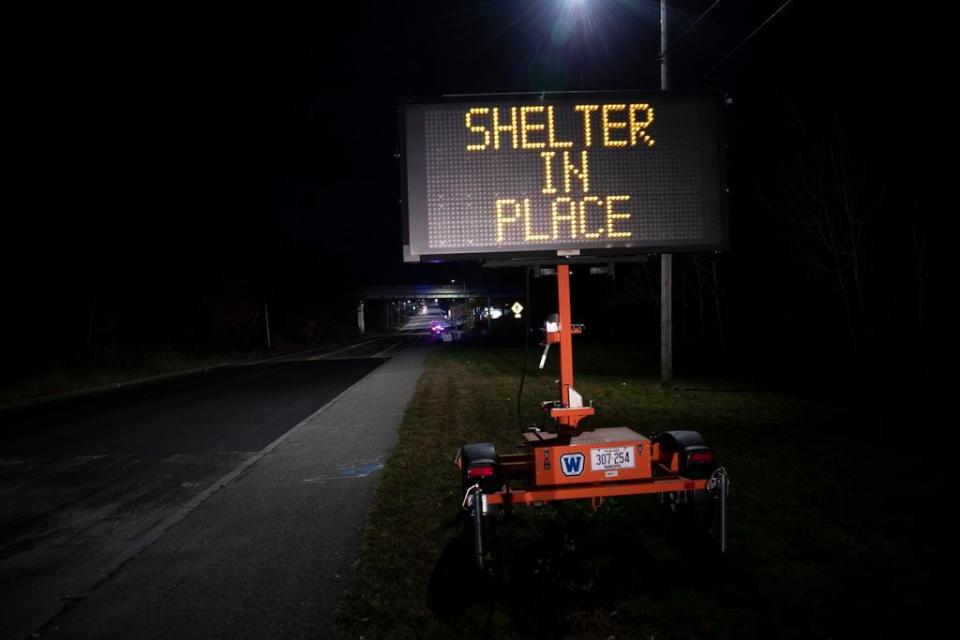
x=479, y=464
x=694, y=458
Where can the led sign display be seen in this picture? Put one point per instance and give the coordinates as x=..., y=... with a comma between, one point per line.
x=563, y=175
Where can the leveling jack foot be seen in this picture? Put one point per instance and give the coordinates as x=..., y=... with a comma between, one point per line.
x=719, y=487
x=473, y=499
x=478, y=528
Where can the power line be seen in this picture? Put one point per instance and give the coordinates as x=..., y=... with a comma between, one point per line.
x=686, y=31
x=747, y=39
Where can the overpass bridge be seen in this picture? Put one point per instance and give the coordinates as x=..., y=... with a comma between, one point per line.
x=384, y=295
x=440, y=292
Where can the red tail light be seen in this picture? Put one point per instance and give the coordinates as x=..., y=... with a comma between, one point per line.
x=481, y=471
x=699, y=457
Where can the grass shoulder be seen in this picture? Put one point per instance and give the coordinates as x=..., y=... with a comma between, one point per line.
x=814, y=550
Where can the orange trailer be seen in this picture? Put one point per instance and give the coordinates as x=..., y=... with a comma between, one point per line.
x=570, y=463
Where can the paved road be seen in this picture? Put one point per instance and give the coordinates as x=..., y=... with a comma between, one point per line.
x=87, y=484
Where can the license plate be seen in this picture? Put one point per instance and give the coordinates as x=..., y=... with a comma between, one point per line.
x=613, y=458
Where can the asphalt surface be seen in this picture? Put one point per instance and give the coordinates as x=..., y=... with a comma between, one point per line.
x=114, y=490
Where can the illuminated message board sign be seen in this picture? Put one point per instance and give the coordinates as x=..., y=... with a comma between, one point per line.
x=565, y=175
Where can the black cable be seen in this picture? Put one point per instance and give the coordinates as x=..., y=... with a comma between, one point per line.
x=526, y=349
x=747, y=39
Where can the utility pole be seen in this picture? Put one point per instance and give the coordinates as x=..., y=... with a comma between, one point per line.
x=666, y=259
x=266, y=317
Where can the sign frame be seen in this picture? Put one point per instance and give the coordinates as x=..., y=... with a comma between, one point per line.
x=550, y=255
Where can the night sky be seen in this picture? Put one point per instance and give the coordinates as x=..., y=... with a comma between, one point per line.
x=159, y=156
